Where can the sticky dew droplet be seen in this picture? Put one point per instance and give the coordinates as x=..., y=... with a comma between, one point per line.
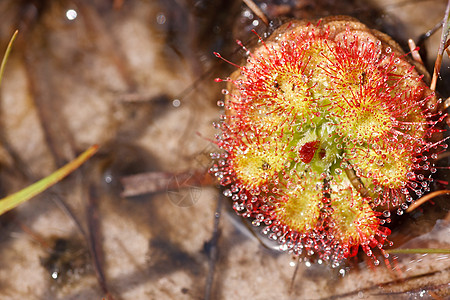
x=227, y=193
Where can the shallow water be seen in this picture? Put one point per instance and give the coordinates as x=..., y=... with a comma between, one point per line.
x=138, y=80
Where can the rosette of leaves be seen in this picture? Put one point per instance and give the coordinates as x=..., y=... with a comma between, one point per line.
x=327, y=125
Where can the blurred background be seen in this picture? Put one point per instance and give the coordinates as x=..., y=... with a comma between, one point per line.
x=141, y=220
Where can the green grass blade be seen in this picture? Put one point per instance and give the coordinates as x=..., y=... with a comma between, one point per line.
x=29, y=192
x=5, y=58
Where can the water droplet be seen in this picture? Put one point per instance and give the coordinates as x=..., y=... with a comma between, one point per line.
x=55, y=275
x=410, y=175
x=234, y=188
x=238, y=206
x=71, y=14
x=176, y=103
x=227, y=193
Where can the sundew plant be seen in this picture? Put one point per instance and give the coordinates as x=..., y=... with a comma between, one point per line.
x=328, y=128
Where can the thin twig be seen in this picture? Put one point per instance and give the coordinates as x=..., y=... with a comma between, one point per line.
x=291, y=288
x=447, y=103
x=257, y=11
x=62, y=205
x=444, y=36
x=156, y=182
x=99, y=32
x=57, y=134
x=213, y=252
x=419, y=251
x=429, y=33
x=414, y=51
x=93, y=220
x=426, y=198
